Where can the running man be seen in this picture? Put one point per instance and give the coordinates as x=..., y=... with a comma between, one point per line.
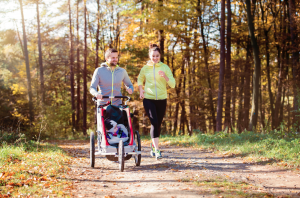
x=109, y=77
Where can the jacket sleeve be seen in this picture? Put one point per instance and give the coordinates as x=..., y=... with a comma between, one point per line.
x=127, y=81
x=169, y=74
x=94, y=83
x=141, y=77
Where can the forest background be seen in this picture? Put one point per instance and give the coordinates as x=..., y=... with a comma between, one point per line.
x=236, y=63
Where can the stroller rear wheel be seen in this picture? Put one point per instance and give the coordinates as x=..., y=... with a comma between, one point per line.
x=137, y=158
x=121, y=156
x=92, y=149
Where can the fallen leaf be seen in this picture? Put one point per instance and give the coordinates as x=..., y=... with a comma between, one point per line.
x=22, y=176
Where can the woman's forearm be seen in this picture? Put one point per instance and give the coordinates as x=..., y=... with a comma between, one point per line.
x=166, y=78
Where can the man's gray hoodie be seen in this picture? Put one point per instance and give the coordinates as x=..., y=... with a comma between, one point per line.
x=109, y=82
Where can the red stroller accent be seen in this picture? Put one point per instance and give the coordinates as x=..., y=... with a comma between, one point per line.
x=115, y=152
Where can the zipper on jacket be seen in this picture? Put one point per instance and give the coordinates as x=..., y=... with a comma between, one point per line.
x=112, y=82
x=154, y=79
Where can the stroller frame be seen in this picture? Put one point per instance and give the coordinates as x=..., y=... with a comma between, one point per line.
x=120, y=152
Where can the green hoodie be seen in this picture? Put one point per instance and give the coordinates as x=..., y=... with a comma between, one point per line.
x=155, y=86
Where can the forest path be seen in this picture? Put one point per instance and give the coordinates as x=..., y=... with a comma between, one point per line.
x=183, y=172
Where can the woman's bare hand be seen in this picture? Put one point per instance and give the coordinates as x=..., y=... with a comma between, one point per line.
x=161, y=73
x=142, y=94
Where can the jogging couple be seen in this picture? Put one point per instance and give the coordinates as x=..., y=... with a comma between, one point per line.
x=156, y=75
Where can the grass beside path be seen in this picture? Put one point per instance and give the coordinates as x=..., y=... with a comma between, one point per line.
x=28, y=170
x=255, y=147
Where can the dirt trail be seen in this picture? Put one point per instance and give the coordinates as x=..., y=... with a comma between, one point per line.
x=175, y=175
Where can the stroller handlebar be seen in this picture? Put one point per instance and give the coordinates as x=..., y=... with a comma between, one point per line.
x=127, y=97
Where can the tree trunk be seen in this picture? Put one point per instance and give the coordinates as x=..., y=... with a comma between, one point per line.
x=78, y=70
x=202, y=115
x=262, y=112
x=280, y=119
x=222, y=69
x=288, y=108
x=234, y=85
x=84, y=73
x=117, y=39
x=210, y=96
x=71, y=69
x=295, y=55
x=91, y=32
x=182, y=118
x=22, y=48
x=227, y=123
x=31, y=116
x=192, y=90
x=269, y=77
x=183, y=96
x=256, y=75
x=240, y=122
x=141, y=19
x=279, y=93
x=176, y=118
x=97, y=34
x=247, y=94
x=169, y=115
x=177, y=90
x=178, y=97
x=97, y=48
x=42, y=88
x=187, y=79
x=161, y=36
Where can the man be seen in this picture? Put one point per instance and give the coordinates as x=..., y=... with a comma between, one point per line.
x=109, y=77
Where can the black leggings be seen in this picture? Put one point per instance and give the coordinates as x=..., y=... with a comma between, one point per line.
x=155, y=110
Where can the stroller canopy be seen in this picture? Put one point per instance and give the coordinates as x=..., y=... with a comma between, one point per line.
x=114, y=113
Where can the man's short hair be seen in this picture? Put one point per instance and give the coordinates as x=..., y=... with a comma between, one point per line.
x=109, y=51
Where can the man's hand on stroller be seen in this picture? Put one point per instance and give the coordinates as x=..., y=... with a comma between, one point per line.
x=99, y=96
x=129, y=90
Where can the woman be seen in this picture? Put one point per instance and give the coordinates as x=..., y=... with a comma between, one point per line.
x=157, y=75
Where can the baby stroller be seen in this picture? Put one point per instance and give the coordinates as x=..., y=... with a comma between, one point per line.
x=118, y=146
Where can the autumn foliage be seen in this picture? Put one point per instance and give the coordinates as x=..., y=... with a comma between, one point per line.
x=232, y=93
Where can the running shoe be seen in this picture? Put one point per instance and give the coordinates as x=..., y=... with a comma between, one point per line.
x=152, y=152
x=158, y=155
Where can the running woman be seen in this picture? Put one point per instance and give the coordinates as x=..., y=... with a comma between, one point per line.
x=157, y=75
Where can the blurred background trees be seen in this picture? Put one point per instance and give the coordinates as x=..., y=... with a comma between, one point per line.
x=236, y=63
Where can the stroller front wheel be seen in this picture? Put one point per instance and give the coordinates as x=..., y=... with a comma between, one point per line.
x=121, y=156
x=92, y=149
x=137, y=158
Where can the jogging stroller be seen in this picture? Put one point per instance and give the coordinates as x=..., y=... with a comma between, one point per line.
x=115, y=137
